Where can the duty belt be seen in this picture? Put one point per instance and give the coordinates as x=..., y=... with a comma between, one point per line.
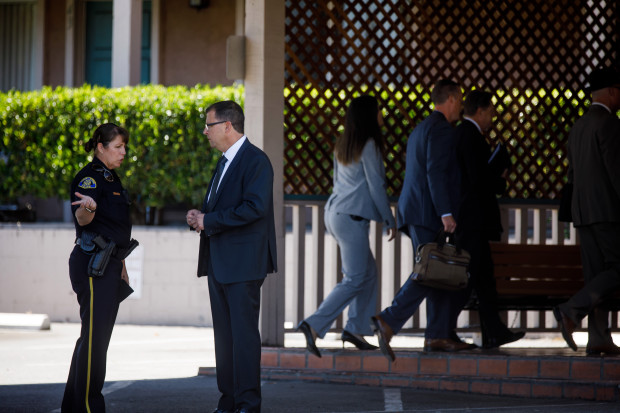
x=117, y=252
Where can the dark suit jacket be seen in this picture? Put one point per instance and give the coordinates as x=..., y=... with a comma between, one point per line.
x=479, y=210
x=594, y=167
x=431, y=184
x=239, y=240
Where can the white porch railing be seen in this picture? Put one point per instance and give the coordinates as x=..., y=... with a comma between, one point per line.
x=313, y=264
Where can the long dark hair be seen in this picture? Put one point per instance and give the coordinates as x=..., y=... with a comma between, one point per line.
x=360, y=125
x=105, y=134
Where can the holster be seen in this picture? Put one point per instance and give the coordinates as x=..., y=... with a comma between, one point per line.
x=100, y=259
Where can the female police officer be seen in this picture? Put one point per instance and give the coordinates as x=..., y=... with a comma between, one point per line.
x=103, y=230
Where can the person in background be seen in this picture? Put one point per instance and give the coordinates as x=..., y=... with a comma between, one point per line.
x=594, y=172
x=101, y=216
x=482, y=178
x=358, y=197
x=237, y=250
x=427, y=204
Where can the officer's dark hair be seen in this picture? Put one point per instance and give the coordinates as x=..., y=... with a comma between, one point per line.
x=229, y=111
x=443, y=89
x=105, y=134
x=476, y=99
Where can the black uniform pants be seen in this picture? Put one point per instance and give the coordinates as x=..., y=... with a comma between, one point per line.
x=99, y=302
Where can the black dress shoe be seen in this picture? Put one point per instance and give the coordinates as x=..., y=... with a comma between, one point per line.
x=507, y=337
x=567, y=326
x=456, y=338
x=446, y=344
x=310, y=345
x=358, y=342
x=218, y=410
x=608, y=350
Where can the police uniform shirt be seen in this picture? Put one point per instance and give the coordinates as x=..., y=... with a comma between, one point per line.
x=112, y=217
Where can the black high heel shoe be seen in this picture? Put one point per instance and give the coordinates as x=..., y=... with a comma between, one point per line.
x=358, y=342
x=310, y=344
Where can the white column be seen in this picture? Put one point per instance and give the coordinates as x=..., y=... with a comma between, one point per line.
x=126, y=42
x=264, y=112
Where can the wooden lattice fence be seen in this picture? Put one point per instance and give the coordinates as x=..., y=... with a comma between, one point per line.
x=534, y=56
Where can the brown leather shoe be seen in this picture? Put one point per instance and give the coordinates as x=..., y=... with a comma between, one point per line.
x=446, y=344
x=384, y=334
x=567, y=326
x=608, y=350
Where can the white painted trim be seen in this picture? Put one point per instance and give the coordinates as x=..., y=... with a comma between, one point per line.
x=37, y=56
x=69, y=42
x=126, y=41
x=155, y=29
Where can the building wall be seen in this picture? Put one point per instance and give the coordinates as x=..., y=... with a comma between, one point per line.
x=193, y=43
x=34, y=275
x=54, y=44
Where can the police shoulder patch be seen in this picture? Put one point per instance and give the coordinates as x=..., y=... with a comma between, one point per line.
x=88, y=183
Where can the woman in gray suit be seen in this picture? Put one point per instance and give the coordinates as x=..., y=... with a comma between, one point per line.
x=358, y=196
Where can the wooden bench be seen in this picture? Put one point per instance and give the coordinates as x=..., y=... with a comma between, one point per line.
x=536, y=276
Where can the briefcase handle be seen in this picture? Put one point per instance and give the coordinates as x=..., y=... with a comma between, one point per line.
x=449, y=237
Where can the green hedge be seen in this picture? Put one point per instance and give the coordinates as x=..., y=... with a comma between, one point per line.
x=169, y=159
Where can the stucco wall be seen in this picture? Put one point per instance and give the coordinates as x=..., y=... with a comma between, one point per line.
x=34, y=275
x=193, y=43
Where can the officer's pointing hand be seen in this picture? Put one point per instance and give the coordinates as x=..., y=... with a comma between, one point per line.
x=85, y=202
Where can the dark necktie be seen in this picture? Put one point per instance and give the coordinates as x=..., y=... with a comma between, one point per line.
x=216, y=181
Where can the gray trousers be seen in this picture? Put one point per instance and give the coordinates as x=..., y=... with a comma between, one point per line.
x=358, y=288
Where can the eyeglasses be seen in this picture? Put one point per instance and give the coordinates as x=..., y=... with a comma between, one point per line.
x=208, y=125
x=104, y=171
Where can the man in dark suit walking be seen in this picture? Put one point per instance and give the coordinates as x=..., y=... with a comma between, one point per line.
x=479, y=217
x=237, y=251
x=428, y=202
x=594, y=171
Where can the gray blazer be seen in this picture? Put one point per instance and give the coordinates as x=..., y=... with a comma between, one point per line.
x=594, y=167
x=359, y=188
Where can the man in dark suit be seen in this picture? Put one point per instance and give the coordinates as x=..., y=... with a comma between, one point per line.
x=594, y=171
x=237, y=251
x=479, y=216
x=428, y=202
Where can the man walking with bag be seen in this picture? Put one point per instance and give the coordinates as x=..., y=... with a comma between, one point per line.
x=427, y=204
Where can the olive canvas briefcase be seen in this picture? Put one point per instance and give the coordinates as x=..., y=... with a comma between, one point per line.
x=441, y=264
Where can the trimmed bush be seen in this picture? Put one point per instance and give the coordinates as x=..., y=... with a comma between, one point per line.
x=169, y=159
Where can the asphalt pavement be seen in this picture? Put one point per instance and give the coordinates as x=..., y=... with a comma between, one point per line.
x=154, y=369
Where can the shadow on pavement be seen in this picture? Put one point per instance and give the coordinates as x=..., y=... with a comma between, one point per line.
x=199, y=394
